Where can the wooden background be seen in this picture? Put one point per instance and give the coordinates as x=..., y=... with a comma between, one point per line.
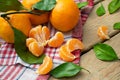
x=100, y=70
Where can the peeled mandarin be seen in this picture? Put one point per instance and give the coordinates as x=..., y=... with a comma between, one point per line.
x=65, y=54
x=45, y=67
x=74, y=44
x=57, y=40
x=103, y=32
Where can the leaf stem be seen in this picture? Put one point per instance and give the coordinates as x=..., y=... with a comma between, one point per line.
x=19, y=12
x=86, y=70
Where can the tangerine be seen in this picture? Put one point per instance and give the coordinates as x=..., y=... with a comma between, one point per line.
x=65, y=15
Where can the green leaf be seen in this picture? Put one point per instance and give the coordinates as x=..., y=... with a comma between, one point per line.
x=116, y=26
x=105, y=52
x=45, y=5
x=6, y=5
x=22, y=50
x=65, y=70
x=100, y=10
x=82, y=4
x=113, y=6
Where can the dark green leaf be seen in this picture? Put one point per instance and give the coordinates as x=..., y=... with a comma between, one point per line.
x=105, y=52
x=100, y=11
x=6, y=5
x=65, y=70
x=116, y=26
x=113, y=6
x=82, y=4
x=45, y=5
x=22, y=50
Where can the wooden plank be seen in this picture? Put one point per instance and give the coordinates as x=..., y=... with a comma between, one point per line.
x=100, y=70
x=93, y=22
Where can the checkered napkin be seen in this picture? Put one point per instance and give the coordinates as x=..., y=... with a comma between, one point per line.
x=13, y=68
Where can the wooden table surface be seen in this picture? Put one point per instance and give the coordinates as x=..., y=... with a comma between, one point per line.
x=100, y=70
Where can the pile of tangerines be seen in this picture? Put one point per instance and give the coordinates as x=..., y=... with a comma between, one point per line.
x=64, y=17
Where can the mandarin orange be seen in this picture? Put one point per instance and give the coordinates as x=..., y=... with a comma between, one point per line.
x=65, y=15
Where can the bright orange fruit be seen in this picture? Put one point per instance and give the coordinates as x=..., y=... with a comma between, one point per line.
x=29, y=3
x=74, y=44
x=65, y=15
x=39, y=19
x=38, y=37
x=21, y=22
x=45, y=67
x=103, y=32
x=41, y=34
x=56, y=40
x=66, y=50
x=65, y=54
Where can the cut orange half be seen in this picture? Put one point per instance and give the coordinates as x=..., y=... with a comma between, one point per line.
x=103, y=32
x=45, y=67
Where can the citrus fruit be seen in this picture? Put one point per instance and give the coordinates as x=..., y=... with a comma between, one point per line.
x=66, y=50
x=41, y=34
x=56, y=40
x=38, y=19
x=6, y=32
x=103, y=32
x=29, y=3
x=21, y=22
x=35, y=19
x=74, y=44
x=18, y=22
x=38, y=37
x=65, y=54
x=46, y=66
x=34, y=47
x=65, y=15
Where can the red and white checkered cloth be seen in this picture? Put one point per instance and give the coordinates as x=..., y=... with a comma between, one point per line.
x=13, y=68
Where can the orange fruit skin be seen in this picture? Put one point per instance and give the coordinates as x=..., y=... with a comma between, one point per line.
x=56, y=40
x=21, y=22
x=74, y=44
x=65, y=54
x=6, y=32
x=29, y=3
x=39, y=19
x=103, y=32
x=65, y=15
x=45, y=67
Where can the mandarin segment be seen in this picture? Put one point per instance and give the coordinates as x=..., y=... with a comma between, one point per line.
x=74, y=44
x=46, y=32
x=30, y=40
x=56, y=40
x=45, y=67
x=103, y=32
x=65, y=54
x=36, y=48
